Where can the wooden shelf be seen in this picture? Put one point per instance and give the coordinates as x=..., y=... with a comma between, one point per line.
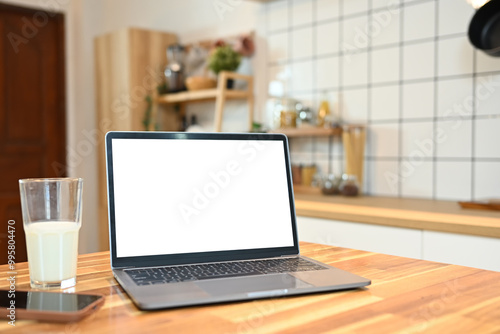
x=310, y=190
x=200, y=95
x=309, y=132
x=220, y=95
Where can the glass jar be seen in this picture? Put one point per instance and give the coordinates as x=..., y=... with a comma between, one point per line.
x=330, y=184
x=288, y=119
x=174, y=72
x=349, y=185
x=283, y=112
x=308, y=173
x=305, y=116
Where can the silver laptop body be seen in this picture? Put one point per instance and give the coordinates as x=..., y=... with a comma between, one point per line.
x=197, y=200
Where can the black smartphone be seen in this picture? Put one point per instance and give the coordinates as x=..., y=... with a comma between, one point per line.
x=47, y=306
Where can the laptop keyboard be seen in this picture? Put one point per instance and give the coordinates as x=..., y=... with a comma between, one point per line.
x=162, y=275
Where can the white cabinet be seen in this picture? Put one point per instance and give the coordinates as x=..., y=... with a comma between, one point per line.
x=465, y=250
x=374, y=238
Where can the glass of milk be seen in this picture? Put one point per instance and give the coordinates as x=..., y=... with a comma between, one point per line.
x=52, y=217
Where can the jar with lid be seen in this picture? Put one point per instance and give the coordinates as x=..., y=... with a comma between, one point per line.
x=305, y=116
x=308, y=172
x=174, y=73
x=330, y=184
x=283, y=111
x=349, y=185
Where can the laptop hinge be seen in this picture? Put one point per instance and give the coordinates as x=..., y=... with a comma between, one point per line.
x=119, y=268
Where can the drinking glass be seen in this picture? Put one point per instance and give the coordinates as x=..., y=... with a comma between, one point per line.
x=52, y=214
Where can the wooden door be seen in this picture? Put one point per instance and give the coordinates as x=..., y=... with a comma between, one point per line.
x=32, y=109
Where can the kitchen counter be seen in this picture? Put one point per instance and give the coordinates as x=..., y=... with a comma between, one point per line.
x=422, y=214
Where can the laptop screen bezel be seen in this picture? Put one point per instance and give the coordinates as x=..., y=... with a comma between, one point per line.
x=189, y=258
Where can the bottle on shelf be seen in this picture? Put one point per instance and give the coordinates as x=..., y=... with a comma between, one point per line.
x=324, y=112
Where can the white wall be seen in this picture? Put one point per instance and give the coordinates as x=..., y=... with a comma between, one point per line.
x=84, y=23
x=191, y=20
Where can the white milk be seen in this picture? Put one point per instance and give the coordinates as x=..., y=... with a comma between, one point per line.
x=52, y=250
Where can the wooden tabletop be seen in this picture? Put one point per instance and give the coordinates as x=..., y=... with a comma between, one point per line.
x=423, y=214
x=406, y=295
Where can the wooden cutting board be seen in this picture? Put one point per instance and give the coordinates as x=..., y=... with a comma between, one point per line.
x=490, y=205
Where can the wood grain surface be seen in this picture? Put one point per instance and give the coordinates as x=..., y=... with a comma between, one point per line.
x=406, y=296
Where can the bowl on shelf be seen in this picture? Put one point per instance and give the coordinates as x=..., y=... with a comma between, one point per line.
x=198, y=82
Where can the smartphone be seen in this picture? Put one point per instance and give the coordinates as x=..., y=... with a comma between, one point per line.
x=47, y=306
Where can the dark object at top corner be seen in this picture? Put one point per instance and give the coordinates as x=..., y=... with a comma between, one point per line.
x=484, y=28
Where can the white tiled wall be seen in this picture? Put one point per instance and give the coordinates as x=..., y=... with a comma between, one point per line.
x=405, y=68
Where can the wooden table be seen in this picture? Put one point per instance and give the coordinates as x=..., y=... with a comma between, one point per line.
x=406, y=295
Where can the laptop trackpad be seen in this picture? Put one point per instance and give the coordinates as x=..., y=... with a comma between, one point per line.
x=252, y=284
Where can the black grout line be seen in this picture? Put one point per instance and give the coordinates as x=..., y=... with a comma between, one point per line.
x=434, y=159
x=369, y=66
x=413, y=3
x=378, y=47
x=264, y=115
x=435, y=100
x=289, y=85
x=341, y=80
x=363, y=86
x=314, y=60
x=341, y=65
x=395, y=83
x=437, y=119
x=367, y=184
x=401, y=99
x=473, y=126
x=324, y=157
x=476, y=159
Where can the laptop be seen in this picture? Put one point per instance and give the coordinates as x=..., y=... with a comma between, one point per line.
x=201, y=218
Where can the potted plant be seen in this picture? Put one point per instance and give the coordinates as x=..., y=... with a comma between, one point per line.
x=224, y=58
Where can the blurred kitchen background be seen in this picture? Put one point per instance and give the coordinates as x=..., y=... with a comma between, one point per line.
x=405, y=69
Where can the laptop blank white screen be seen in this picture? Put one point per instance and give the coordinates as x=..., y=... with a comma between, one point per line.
x=186, y=196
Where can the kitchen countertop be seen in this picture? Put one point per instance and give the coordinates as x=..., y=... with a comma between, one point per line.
x=423, y=214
